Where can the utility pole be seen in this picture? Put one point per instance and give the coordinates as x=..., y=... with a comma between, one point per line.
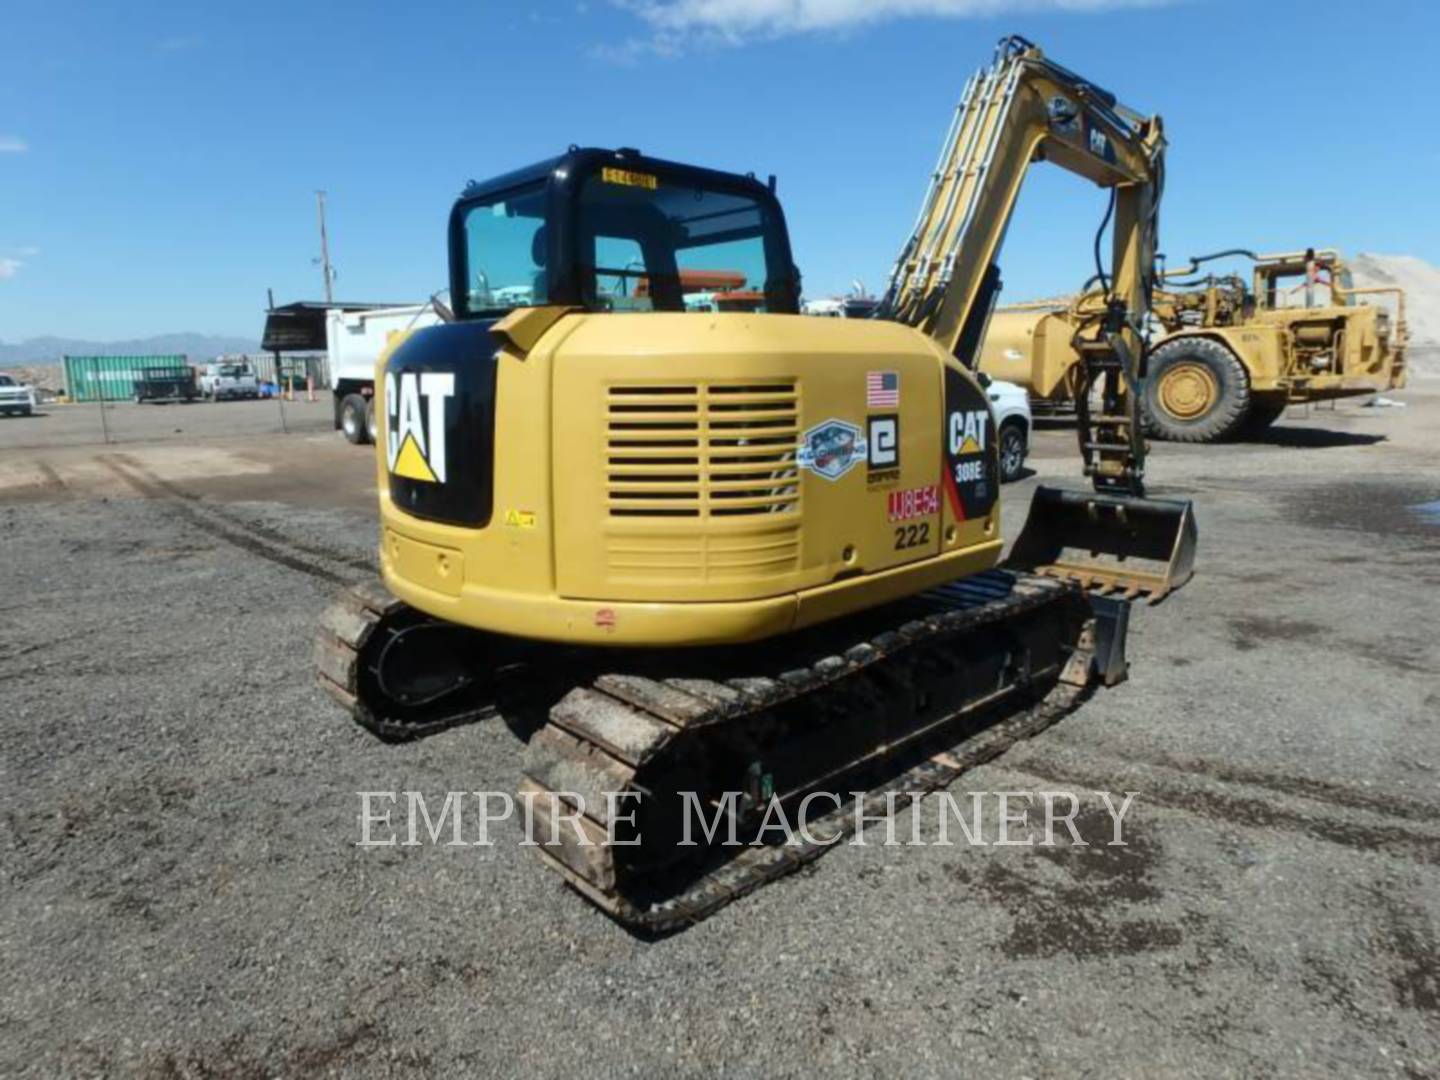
x=326, y=268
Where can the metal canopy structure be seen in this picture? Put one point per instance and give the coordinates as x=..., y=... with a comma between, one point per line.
x=300, y=326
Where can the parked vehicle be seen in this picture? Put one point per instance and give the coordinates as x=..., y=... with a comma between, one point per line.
x=1227, y=357
x=227, y=379
x=354, y=340
x=16, y=399
x=157, y=384
x=847, y=307
x=1011, y=406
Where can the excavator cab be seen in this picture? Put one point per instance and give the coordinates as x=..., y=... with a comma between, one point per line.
x=613, y=232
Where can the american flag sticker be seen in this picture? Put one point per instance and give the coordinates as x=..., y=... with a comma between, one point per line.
x=882, y=389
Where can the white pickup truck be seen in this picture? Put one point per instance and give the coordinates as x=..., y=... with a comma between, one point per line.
x=1011, y=406
x=229, y=379
x=16, y=399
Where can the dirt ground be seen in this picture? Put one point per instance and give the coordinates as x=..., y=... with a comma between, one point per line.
x=86, y=424
x=179, y=811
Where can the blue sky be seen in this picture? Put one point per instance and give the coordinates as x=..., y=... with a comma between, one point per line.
x=158, y=161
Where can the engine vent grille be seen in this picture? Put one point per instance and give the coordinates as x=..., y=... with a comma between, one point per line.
x=708, y=450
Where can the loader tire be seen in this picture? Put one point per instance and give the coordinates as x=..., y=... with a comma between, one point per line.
x=1196, y=392
x=352, y=419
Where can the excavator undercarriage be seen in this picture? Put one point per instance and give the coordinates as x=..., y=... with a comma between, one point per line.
x=648, y=786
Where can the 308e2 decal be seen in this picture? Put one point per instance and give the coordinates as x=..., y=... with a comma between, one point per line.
x=971, y=476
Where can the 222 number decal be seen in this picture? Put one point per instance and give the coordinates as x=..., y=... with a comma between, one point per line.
x=912, y=536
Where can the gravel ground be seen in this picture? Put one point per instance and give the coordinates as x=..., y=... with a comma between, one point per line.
x=184, y=895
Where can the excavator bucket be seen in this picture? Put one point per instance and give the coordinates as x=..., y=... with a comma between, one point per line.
x=1111, y=544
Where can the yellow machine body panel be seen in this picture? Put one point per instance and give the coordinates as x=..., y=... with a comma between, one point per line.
x=1355, y=348
x=717, y=478
x=1263, y=350
x=1032, y=348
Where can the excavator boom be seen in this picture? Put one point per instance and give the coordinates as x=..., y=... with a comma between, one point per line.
x=1026, y=108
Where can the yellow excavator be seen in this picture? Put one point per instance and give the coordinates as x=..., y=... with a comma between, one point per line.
x=744, y=558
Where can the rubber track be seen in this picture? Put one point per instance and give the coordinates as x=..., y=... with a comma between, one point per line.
x=346, y=628
x=601, y=736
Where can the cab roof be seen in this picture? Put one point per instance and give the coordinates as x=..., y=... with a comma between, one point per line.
x=578, y=162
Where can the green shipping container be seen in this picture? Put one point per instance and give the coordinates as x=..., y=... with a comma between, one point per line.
x=113, y=378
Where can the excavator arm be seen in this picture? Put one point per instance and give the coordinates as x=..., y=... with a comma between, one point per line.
x=1022, y=109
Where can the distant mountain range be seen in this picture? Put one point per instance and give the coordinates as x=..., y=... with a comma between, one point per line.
x=50, y=350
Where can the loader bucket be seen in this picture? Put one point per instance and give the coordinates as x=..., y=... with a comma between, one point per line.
x=1112, y=544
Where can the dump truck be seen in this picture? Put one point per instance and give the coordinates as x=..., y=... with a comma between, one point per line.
x=728, y=561
x=354, y=339
x=1230, y=356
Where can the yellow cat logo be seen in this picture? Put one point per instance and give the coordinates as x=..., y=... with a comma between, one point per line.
x=415, y=437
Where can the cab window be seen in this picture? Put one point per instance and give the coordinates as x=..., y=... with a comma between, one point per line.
x=647, y=243
x=505, y=250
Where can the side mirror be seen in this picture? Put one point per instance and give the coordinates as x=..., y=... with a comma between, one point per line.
x=983, y=379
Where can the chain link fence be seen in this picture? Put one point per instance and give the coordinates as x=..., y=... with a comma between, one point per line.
x=109, y=400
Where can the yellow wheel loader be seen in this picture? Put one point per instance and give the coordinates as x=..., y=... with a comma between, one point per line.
x=745, y=558
x=1232, y=356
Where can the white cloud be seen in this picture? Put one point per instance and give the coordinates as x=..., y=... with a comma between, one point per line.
x=674, y=23
x=9, y=268
x=13, y=144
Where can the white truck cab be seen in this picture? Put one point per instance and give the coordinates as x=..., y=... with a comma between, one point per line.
x=16, y=399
